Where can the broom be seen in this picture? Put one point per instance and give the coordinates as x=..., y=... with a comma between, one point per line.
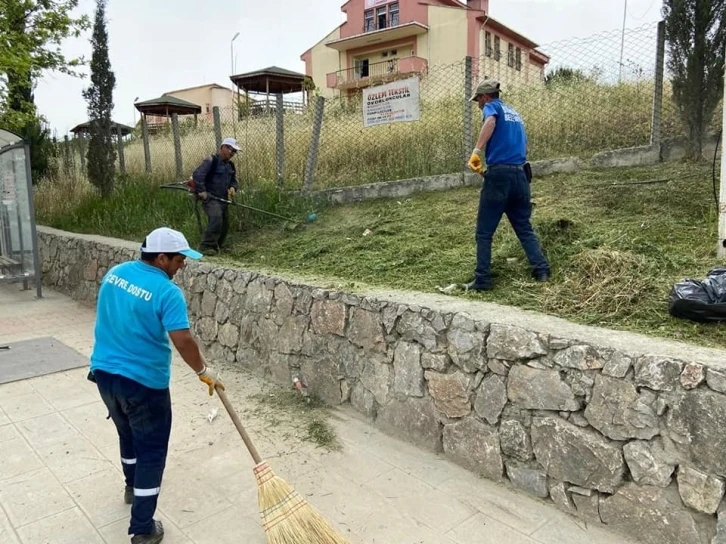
x=286, y=516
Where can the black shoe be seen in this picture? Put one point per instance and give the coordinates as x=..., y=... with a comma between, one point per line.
x=129, y=495
x=156, y=536
x=542, y=277
x=474, y=286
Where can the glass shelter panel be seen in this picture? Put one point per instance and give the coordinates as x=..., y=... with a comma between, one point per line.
x=19, y=260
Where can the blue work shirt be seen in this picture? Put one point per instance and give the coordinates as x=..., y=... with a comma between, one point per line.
x=508, y=143
x=137, y=306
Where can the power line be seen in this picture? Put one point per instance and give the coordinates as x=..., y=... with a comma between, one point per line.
x=644, y=13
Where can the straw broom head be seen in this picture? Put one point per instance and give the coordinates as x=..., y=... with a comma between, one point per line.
x=286, y=515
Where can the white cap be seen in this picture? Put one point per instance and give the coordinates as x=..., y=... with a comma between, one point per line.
x=231, y=142
x=165, y=240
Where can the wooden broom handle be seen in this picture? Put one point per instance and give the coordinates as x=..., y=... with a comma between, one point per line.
x=237, y=423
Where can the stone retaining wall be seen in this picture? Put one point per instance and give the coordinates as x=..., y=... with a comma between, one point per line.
x=612, y=427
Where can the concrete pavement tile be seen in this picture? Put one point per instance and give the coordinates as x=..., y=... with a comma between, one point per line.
x=4, y=419
x=73, y=459
x=101, y=497
x=67, y=527
x=361, y=467
x=90, y=420
x=25, y=406
x=15, y=389
x=7, y=533
x=428, y=505
x=402, y=530
x=186, y=497
x=117, y=533
x=482, y=529
x=17, y=458
x=9, y=431
x=563, y=529
x=47, y=430
x=65, y=390
x=228, y=527
x=350, y=427
x=514, y=509
x=33, y=496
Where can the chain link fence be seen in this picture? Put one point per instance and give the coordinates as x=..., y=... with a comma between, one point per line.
x=599, y=93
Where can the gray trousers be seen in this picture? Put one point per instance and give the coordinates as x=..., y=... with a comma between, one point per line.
x=218, y=226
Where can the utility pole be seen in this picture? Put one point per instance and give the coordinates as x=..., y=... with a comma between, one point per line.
x=721, y=250
x=231, y=52
x=622, y=41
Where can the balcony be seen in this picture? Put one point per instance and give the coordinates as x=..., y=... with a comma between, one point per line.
x=368, y=37
x=378, y=72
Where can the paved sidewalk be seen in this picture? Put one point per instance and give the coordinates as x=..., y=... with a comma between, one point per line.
x=60, y=478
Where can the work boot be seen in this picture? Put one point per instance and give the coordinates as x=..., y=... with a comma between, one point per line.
x=129, y=495
x=474, y=286
x=542, y=277
x=208, y=251
x=156, y=536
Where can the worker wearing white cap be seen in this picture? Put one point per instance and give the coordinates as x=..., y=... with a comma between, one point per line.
x=139, y=309
x=216, y=177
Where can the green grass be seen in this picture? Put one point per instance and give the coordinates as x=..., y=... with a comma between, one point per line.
x=616, y=249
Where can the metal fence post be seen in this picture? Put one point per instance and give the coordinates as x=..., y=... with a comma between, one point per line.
x=655, y=127
x=217, y=126
x=468, y=134
x=314, y=144
x=82, y=151
x=121, y=158
x=147, y=148
x=279, y=140
x=177, y=145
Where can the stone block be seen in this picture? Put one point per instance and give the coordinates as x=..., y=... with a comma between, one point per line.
x=649, y=463
x=588, y=506
x=576, y=455
x=512, y=343
x=328, y=317
x=414, y=327
x=491, y=398
x=619, y=412
x=366, y=330
x=654, y=515
x=658, y=373
x=580, y=358
x=363, y=400
x=693, y=375
x=532, y=479
x=228, y=335
x=408, y=374
x=514, y=440
x=324, y=376
x=539, y=390
x=698, y=490
x=290, y=339
x=617, y=365
x=716, y=379
x=475, y=446
x=414, y=420
x=466, y=347
x=450, y=393
x=283, y=303
x=560, y=496
x=377, y=377
x=435, y=361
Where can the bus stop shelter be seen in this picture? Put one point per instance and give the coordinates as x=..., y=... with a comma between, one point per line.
x=19, y=256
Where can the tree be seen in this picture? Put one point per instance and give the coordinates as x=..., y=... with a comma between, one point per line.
x=32, y=32
x=101, y=152
x=696, y=37
x=567, y=76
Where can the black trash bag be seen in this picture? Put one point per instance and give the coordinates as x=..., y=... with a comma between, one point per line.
x=702, y=301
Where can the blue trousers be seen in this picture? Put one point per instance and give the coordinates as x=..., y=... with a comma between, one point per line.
x=506, y=191
x=143, y=420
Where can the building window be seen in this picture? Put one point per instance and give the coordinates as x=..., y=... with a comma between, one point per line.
x=207, y=106
x=510, y=55
x=361, y=68
x=381, y=17
x=497, y=49
x=368, y=21
x=488, y=43
x=393, y=14
x=518, y=59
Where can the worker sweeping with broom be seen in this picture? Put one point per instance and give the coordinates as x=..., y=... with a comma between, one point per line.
x=139, y=309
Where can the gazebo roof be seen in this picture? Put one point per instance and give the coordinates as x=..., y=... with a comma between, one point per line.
x=85, y=128
x=280, y=81
x=166, y=105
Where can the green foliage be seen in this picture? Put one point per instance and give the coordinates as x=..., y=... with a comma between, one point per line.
x=101, y=151
x=32, y=32
x=565, y=75
x=696, y=37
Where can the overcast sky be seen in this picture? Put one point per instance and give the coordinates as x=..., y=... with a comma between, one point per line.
x=159, y=46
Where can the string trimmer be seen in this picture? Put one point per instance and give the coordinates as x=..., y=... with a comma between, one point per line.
x=190, y=186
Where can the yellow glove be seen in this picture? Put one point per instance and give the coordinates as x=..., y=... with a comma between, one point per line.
x=475, y=162
x=211, y=377
x=230, y=193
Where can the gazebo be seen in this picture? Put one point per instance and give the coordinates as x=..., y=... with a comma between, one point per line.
x=85, y=129
x=273, y=80
x=166, y=106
